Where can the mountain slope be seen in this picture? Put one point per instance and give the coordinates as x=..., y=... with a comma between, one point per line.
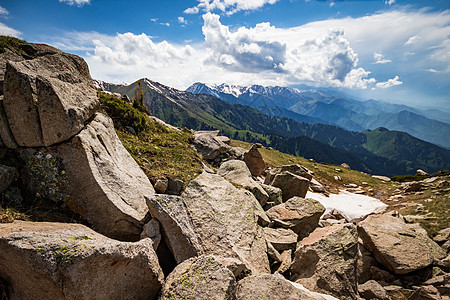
x=322, y=142
x=347, y=113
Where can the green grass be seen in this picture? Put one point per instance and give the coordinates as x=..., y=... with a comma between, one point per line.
x=12, y=43
x=159, y=150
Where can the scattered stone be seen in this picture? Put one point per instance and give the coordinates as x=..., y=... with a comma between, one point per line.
x=420, y=172
x=441, y=283
x=400, y=247
x=161, y=185
x=177, y=227
x=383, y=178
x=325, y=261
x=7, y=176
x=294, y=169
x=131, y=130
x=274, y=287
x=290, y=184
x=237, y=172
x=286, y=261
x=71, y=261
x=199, y=278
x=413, y=187
x=208, y=146
x=152, y=230
x=48, y=99
x=345, y=165
x=397, y=292
x=301, y=215
x=372, y=290
x=338, y=178
x=174, y=186
x=273, y=253
x=280, y=238
x=427, y=292
x=338, y=170
x=254, y=161
x=223, y=139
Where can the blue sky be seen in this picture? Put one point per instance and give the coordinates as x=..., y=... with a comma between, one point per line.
x=394, y=50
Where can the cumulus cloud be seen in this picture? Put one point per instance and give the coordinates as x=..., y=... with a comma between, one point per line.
x=6, y=30
x=79, y=3
x=379, y=59
x=390, y=83
x=390, y=2
x=3, y=12
x=182, y=20
x=228, y=6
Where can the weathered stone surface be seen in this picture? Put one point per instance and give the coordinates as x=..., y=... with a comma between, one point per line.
x=225, y=221
x=177, y=226
x=254, y=161
x=301, y=214
x=107, y=187
x=174, y=186
x=48, y=99
x=441, y=283
x=71, y=261
x=427, y=292
x=325, y=261
x=223, y=139
x=208, y=146
x=152, y=230
x=236, y=172
x=294, y=169
x=7, y=176
x=397, y=292
x=400, y=247
x=442, y=236
x=273, y=253
x=274, y=287
x=199, y=278
x=286, y=261
x=290, y=184
x=280, y=238
x=6, y=135
x=237, y=267
x=364, y=264
x=275, y=194
x=420, y=172
x=372, y=290
x=6, y=56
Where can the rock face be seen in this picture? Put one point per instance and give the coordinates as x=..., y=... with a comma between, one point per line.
x=48, y=99
x=280, y=238
x=325, y=261
x=225, y=221
x=294, y=169
x=301, y=214
x=236, y=171
x=6, y=136
x=372, y=290
x=274, y=287
x=200, y=278
x=107, y=187
x=70, y=261
x=255, y=161
x=401, y=247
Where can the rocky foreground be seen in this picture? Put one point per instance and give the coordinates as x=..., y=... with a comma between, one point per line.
x=242, y=231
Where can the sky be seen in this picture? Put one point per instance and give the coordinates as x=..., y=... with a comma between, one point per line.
x=392, y=50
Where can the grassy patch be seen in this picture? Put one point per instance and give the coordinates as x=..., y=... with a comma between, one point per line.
x=12, y=43
x=159, y=150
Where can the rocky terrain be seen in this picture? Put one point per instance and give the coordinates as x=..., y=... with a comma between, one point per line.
x=237, y=225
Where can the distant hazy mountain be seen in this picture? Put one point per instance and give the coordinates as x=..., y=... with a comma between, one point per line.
x=347, y=113
x=326, y=143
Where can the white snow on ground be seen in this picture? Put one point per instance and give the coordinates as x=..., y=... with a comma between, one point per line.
x=351, y=206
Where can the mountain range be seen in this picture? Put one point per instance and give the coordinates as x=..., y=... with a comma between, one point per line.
x=318, y=106
x=378, y=151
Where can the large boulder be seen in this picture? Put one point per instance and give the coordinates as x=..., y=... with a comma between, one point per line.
x=274, y=287
x=236, y=172
x=71, y=261
x=177, y=227
x=106, y=186
x=208, y=145
x=372, y=290
x=225, y=220
x=199, y=278
x=280, y=238
x=48, y=99
x=292, y=184
x=325, y=261
x=254, y=161
x=400, y=247
x=301, y=215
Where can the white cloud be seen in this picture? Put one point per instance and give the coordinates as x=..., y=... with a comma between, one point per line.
x=432, y=70
x=412, y=40
x=182, y=20
x=76, y=2
x=3, y=12
x=165, y=24
x=154, y=20
x=379, y=59
x=390, y=2
x=6, y=30
x=228, y=6
x=390, y=83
